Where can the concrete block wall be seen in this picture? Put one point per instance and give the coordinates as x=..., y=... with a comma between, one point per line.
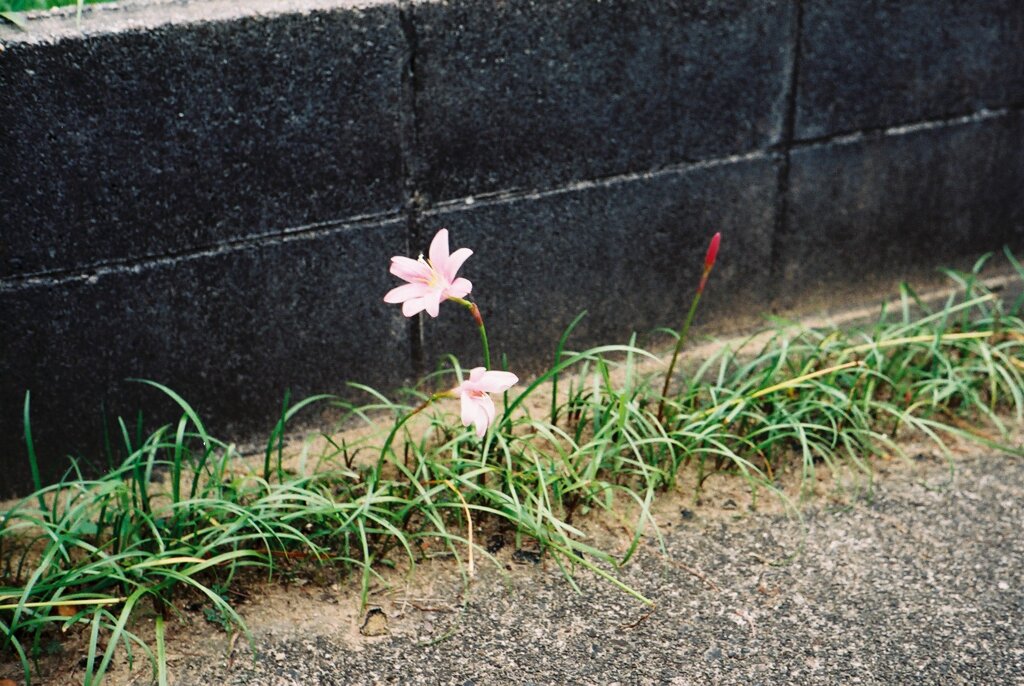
x=207, y=194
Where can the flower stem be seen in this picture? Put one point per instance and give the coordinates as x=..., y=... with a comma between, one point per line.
x=675, y=353
x=399, y=423
x=709, y=263
x=475, y=311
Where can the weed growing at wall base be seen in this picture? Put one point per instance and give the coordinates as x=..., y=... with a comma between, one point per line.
x=184, y=518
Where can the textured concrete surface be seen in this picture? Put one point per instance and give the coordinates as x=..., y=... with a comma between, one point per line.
x=59, y=23
x=887, y=62
x=926, y=197
x=182, y=136
x=155, y=136
x=921, y=584
x=259, y=320
x=628, y=252
x=548, y=92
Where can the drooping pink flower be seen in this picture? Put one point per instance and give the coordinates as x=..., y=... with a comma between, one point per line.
x=430, y=280
x=477, y=406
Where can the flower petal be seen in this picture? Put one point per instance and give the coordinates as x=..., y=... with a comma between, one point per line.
x=475, y=374
x=433, y=302
x=409, y=269
x=451, y=266
x=439, y=250
x=467, y=409
x=410, y=308
x=460, y=288
x=495, y=381
x=473, y=413
x=405, y=292
x=487, y=405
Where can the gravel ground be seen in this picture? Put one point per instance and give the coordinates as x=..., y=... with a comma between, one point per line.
x=917, y=584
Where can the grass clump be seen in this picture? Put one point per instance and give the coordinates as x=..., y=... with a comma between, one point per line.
x=185, y=516
x=10, y=10
x=29, y=5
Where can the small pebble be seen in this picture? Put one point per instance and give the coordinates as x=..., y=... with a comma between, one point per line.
x=713, y=654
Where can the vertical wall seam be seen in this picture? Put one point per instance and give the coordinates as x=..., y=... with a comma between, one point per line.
x=785, y=147
x=412, y=204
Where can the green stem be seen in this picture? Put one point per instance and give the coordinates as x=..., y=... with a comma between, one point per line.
x=404, y=418
x=33, y=462
x=484, y=344
x=475, y=311
x=679, y=346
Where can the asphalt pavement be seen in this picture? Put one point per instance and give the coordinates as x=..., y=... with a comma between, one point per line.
x=922, y=582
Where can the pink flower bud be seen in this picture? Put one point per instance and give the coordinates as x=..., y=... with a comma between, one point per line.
x=709, y=259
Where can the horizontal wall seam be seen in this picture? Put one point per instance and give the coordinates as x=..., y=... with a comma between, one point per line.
x=92, y=271
x=84, y=273
x=840, y=138
x=502, y=197
x=506, y=196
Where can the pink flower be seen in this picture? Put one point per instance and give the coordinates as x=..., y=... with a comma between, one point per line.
x=431, y=280
x=477, y=406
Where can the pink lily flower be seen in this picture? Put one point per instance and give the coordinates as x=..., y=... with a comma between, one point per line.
x=477, y=406
x=431, y=280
